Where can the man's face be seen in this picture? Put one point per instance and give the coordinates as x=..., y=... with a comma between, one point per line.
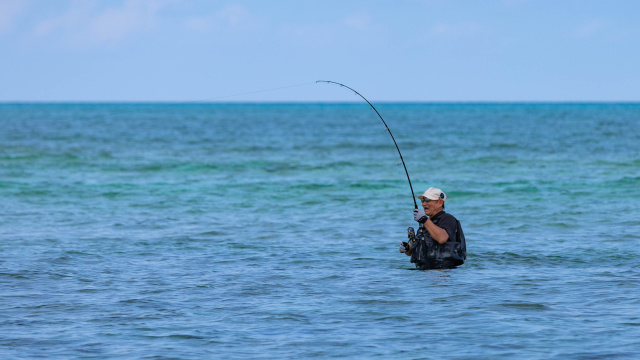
x=431, y=207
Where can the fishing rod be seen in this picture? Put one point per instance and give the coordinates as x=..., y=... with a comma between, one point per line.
x=389, y=130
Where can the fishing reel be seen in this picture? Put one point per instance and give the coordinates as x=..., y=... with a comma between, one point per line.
x=411, y=234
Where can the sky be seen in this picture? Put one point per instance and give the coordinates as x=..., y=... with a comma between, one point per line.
x=400, y=51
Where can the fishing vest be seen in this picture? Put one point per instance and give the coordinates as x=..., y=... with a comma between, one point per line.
x=427, y=253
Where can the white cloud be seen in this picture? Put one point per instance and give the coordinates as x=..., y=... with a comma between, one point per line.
x=358, y=21
x=9, y=11
x=588, y=29
x=234, y=15
x=87, y=22
x=64, y=23
x=199, y=23
x=114, y=24
x=455, y=29
x=514, y=3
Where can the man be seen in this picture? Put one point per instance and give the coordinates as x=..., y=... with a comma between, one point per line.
x=439, y=243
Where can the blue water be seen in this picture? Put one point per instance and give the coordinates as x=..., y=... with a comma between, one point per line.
x=271, y=231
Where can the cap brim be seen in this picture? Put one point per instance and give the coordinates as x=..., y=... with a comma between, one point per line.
x=424, y=197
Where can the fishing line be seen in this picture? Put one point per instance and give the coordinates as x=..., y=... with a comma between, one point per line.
x=389, y=130
x=298, y=85
x=205, y=101
x=258, y=91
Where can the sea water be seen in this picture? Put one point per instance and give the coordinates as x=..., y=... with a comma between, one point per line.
x=195, y=231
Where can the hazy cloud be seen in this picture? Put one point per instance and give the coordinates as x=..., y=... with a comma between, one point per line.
x=85, y=21
x=455, y=29
x=9, y=11
x=588, y=29
x=234, y=15
x=358, y=21
x=514, y=3
x=199, y=23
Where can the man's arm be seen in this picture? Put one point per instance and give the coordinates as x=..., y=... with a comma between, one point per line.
x=437, y=233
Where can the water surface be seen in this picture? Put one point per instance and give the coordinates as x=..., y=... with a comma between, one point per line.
x=271, y=230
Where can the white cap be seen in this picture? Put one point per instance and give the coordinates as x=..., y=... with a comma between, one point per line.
x=433, y=194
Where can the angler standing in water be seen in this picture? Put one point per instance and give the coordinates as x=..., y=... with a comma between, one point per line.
x=440, y=242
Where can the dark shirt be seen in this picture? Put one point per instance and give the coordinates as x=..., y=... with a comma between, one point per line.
x=445, y=221
x=428, y=253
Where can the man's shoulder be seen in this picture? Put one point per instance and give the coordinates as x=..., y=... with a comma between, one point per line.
x=445, y=219
x=448, y=216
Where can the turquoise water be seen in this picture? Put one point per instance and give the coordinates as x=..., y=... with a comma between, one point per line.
x=271, y=230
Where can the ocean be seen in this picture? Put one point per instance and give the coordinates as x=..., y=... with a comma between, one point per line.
x=264, y=230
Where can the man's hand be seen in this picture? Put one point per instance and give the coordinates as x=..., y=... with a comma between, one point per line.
x=419, y=216
x=404, y=247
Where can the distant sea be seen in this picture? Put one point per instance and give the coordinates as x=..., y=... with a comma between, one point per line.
x=238, y=231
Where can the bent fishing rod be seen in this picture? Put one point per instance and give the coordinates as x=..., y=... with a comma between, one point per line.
x=389, y=130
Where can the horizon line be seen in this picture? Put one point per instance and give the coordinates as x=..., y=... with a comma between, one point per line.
x=319, y=102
